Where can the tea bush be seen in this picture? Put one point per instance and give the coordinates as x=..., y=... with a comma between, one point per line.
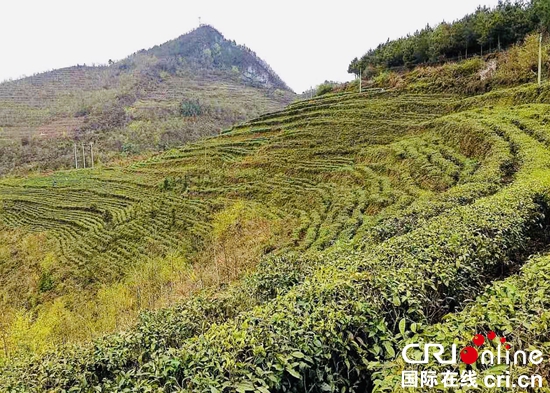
x=395, y=230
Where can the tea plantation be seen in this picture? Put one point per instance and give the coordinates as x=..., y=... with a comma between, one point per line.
x=299, y=252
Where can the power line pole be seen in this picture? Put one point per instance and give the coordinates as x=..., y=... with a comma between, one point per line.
x=75, y=157
x=360, y=81
x=83, y=155
x=92, y=153
x=540, y=59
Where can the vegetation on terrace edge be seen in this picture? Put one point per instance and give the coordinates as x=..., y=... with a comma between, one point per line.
x=391, y=212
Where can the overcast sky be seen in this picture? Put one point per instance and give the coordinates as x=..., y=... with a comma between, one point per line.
x=305, y=42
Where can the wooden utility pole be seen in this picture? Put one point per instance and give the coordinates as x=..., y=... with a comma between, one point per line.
x=75, y=157
x=83, y=155
x=540, y=59
x=92, y=153
x=360, y=81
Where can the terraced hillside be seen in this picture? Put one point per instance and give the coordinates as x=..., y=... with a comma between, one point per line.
x=293, y=189
x=296, y=252
x=155, y=99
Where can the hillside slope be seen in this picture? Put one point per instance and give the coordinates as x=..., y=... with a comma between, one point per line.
x=206, y=212
x=374, y=217
x=155, y=99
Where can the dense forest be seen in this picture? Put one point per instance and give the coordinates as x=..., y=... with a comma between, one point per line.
x=486, y=30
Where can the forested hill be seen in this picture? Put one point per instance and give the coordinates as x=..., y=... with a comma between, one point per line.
x=187, y=88
x=485, y=30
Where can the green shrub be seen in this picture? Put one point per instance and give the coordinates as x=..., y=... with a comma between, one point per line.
x=190, y=108
x=517, y=308
x=323, y=89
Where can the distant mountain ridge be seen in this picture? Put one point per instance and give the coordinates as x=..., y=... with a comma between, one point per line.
x=135, y=105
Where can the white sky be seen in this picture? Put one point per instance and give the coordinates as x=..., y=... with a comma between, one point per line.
x=305, y=42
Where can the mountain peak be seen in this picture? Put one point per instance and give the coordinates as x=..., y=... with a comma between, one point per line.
x=205, y=48
x=207, y=29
